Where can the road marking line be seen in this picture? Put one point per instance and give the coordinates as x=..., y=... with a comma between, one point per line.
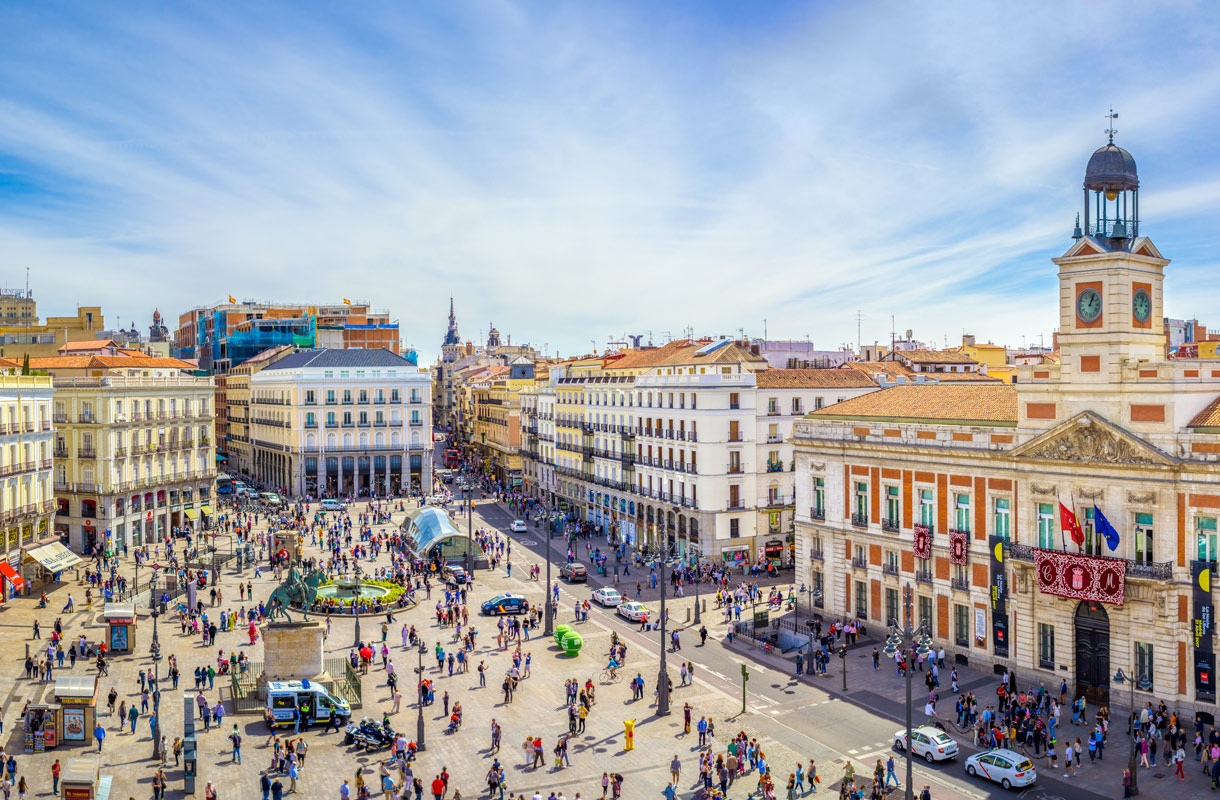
x=849, y=752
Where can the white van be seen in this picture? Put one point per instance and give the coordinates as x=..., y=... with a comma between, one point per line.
x=270, y=498
x=333, y=505
x=286, y=698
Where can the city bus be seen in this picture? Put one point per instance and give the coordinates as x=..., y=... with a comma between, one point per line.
x=224, y=484
x=451, y=459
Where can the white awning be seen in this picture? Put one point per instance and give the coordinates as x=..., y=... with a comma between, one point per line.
x=55, y=557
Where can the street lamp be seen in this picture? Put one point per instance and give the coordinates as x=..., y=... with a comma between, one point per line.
x=155, y=611
x=813, y=593
x=912, y=641
x=469, y=531
x=1143, y=682
x=419, y=681
x=663, y=675
x=547, y=614
x=697, y=554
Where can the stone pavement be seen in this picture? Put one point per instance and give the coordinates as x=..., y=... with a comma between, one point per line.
x=537, y=708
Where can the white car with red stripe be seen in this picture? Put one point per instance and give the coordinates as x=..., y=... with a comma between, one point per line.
x=928, y=743
x=1006, y=767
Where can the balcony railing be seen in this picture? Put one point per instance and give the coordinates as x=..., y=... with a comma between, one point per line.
x=889, y=525
x=59, y=418
x=734, y=469
x=859, y=520
x=774, y=438
x=734, y=437
x=923, y=576
x=775, y=467
x=859, y=562
x=961, y=584
x=86, y=452
x=818, y=514
x=735, y=505
x=817, y=554
x=889, y=569
x=1140, y=570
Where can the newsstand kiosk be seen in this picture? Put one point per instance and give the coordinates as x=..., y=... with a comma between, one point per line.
x=120, y=627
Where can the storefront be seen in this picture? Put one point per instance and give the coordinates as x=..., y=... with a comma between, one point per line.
x=773, y=553
x=12, y=582
x=735, y=555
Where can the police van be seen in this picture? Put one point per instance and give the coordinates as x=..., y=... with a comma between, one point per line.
x=285, y=699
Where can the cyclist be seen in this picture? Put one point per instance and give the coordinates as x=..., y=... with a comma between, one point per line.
x=613, y=667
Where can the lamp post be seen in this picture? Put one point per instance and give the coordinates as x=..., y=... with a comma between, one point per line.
x=155, y=610
x=698, y=556
x=469, y=532
x=911, y=641
x=419, y=687
x=809, y=623
x=1144, y=683
x=663, y=675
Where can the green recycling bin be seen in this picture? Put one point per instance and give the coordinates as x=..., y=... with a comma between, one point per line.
x=571, y=643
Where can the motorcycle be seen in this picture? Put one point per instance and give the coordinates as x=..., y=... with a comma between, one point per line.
x=369, y=735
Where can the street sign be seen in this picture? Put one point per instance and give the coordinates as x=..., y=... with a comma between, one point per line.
x=156, y=566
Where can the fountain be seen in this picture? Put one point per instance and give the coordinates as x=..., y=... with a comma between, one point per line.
x=348, y=590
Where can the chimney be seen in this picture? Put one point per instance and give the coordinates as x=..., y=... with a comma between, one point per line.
x=967, y=339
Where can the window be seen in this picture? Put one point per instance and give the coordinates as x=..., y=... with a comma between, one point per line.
x=817, y=403
x=310, y=397
x=330, y=396
x=347, y=395
x=1046, y=526
x=819, y=498
x=891, y=560
x=961, y=512
x=796, y=405
x=734, y=400
x=1206, y=530
x=861, y=599
x=927, y=510
x=891, y=505
x=1143, y=539
x=861, y=502
x=734, y=528
x=1046, y=645
x=1143, y=661
x=961, y=625
x=925, y=613
x=1001, y=518
x=817, y=588
x=310, y=420
x=891, y=606
x=772, y=405
x=330, y=419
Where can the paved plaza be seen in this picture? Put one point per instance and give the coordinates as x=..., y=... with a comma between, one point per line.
x=792, y=719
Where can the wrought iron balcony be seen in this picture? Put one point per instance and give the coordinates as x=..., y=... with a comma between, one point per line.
x=817, y=554
x=923, y=576
x=859, y=520
x=859, y=562
x=889, y=525
x=961, y=584
x=818, y=514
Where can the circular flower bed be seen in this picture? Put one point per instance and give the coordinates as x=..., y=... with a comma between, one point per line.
x=392, y=590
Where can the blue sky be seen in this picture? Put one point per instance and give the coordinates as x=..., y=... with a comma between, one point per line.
x=577, y=171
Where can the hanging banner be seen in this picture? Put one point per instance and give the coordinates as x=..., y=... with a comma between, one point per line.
x=959, y=543
x=1203, y=629
x=999, y=597
x=923, y=541
x=1081, y=577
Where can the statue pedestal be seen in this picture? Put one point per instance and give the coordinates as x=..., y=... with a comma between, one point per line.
x=293, y=650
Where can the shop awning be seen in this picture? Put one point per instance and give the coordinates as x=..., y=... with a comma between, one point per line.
x=54, y=557
x=7, y=571
x=191, y=514
x=206, y=510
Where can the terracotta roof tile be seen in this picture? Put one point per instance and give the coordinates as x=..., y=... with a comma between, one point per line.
x=1208, y=417
x=812, y=379
x=970, y=402
x=959, y=377
x=932, y=357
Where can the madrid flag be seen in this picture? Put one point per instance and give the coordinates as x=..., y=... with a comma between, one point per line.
x=1067, y=521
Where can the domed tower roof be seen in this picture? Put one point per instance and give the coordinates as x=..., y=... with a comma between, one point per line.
x=1111, y=169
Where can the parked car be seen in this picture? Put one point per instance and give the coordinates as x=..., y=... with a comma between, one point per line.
x=506, y=604
x=607, y=597
x=518, y=526
x=270, y=498
x=636, y=612
x=927, y=742
x=1005, y=767
x=575, y=573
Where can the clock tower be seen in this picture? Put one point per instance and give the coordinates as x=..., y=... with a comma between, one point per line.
x=1110, y=280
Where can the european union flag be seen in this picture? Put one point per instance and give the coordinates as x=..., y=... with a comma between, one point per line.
x=1105, y=528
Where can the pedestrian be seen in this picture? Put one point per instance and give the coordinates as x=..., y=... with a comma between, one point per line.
x=99, y=733
x=675, y=768
x=55, y=769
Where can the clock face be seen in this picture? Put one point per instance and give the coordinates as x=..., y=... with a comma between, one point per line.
x=1141, y=305
x=1088, y=305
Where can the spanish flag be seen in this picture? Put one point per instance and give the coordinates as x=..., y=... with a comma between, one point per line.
x=232, y=299
x=346, y=301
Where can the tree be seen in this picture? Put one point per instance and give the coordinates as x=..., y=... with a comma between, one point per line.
x=25, y=365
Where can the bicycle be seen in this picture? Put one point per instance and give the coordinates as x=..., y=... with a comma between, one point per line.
x=610, y=676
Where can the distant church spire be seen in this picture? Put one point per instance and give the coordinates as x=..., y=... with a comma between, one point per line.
x=451, y=337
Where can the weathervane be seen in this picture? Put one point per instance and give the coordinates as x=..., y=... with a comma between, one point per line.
x=1111, y=130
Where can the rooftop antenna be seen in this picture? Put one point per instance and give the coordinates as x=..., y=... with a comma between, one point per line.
x=1111, y=130
x=893, y=333
x=764, y=329
x=859, y=336
x=27, y=282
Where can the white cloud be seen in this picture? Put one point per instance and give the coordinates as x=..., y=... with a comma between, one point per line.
x=579, y=173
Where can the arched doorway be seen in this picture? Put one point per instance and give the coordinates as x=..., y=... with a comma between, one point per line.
x=1093, y=653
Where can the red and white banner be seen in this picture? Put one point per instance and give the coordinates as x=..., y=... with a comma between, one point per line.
x=923, y=541
x=959, y=543
x=1080, y=577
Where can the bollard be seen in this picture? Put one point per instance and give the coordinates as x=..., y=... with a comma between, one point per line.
x=688, y=615
x=27, y=649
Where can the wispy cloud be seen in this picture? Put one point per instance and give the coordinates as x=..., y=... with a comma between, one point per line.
x=580, y=171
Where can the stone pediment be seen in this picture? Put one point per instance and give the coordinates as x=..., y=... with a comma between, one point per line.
x=1087, y=438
